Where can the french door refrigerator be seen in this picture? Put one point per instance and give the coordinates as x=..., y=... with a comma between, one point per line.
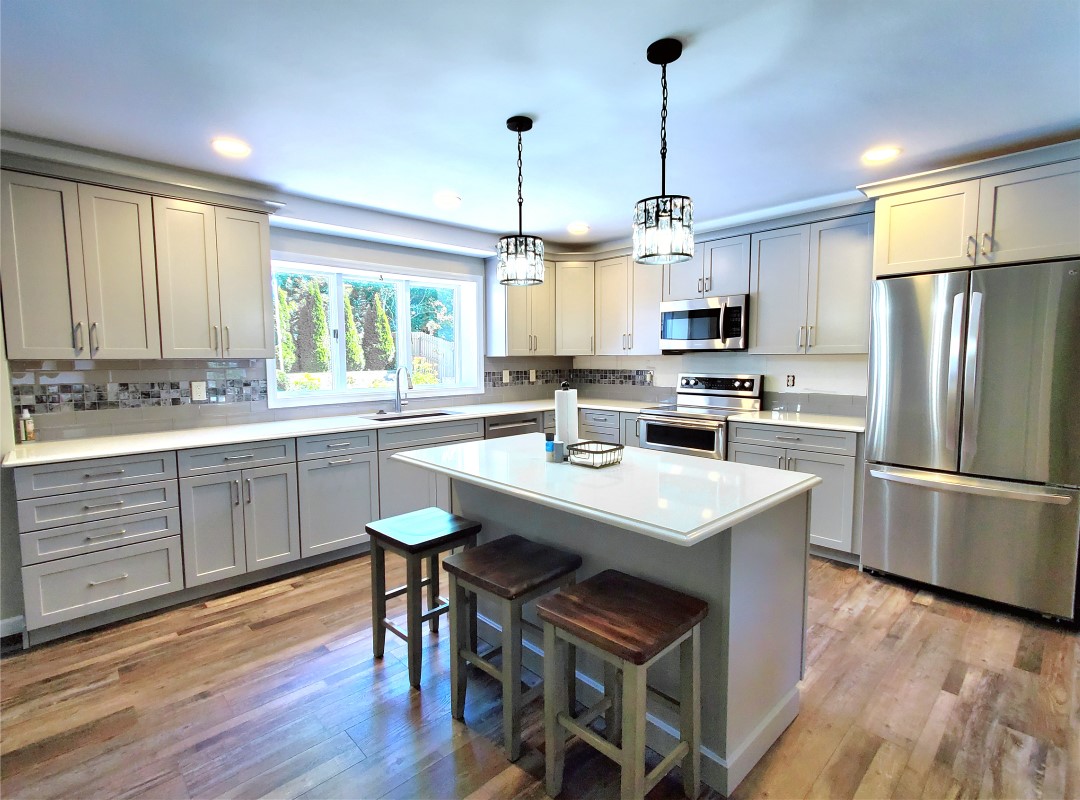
x=972, y=478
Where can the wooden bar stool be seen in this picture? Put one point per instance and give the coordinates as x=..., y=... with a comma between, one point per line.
x=512, y=571
x=415, y=536
x=630, y=623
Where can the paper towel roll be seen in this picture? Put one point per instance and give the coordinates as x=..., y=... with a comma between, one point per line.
x=566, y=416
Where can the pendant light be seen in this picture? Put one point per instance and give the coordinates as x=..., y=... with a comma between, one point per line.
x=664, y=224
x=521, y=257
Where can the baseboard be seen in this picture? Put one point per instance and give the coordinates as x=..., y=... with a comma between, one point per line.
x=12, y=626
x=835, y=555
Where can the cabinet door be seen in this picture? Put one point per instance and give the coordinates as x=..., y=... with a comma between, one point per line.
x=338, y=497
x=727, y=266
x=832, y=502
x=630, y=430
x=404, y=487
x=778, y=284
x=271, y=516
x=574, y=308
x=772, y=457
x=926, y=230
x=212, y=527
x=247, y=309
x=644, y=302
x=41, y=268
x=838, y=293
x=685, y=280
x=542, y=314
x=185, y=234
x=1030, y=214
x=612, y=291
x=518, y=341
x=121, y=273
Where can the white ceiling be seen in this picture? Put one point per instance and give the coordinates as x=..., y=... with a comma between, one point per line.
x=380, y=104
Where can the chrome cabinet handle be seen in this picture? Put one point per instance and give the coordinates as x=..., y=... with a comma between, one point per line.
x=333, y=462
x=630, y=338
x=93, y=347
x=987, y=244
x=108, y=535
x=87, y=475
x=789, y=463
x=809, y=336
x=97, y=506
x=335, y=445
x=788, y=438
x=76, y=338
x=214, y=346
x=708, y=284
x=637, y=427
x=700, y=285
x=228, y=339
x=969, y=250
x=799, y=337
x=624, y=341
x=108, y=580
x=248, y=481
x=779, y=462
x=234, y=490
x=240, y=458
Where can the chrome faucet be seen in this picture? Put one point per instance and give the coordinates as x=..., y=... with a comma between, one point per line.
x=398, y=402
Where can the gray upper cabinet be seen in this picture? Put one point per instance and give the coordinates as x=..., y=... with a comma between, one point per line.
x=778, y=282
x=574, y=311
x=77, y=271
x=718, y=268
x=214, y=281
x=121, y=276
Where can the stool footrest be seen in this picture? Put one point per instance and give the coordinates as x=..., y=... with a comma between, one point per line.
x=472, y=658
x=662, y=769
x=594, y=739
x=400, y=590
x=532, y=627
x=532, y=693
x=667, y=698
x=442, y=608
x=594, y=711
x=394, y=629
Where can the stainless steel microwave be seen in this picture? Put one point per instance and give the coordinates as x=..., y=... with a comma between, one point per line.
x=710, y=323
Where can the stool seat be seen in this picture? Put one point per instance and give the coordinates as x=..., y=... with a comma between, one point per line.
x=623, y=615
x=421, y=530
x=511, y=566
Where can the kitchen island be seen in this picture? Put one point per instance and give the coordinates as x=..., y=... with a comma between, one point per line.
x=734, y=535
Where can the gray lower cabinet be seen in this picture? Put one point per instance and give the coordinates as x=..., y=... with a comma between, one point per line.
x=239, y=521
x=629, y=429
x=404, y=487
x=832, y=502
x=338, y=497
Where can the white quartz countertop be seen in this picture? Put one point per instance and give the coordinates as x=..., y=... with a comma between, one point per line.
x=677, y=498
x=130, y=444
x=835, y=422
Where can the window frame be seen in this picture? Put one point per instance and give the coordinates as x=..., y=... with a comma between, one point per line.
x=469, y=295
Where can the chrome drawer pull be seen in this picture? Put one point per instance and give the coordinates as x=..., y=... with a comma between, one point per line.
x=87, y=475
x=240, y=458
x=335, y=461
x=109, y=580
x=248, y=481
x=335, y=445
x=788, y=438
x=108, y=535
x=103, y=505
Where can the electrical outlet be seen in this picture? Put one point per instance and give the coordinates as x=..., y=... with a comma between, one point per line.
x=532, y=376
x=790, y=380
x=648, y=377
x=506, y=376
x=198, y=391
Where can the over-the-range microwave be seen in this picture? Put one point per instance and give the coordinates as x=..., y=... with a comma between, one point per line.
x=708, y=323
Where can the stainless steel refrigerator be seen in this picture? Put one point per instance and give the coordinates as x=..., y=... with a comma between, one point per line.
x=973, y=433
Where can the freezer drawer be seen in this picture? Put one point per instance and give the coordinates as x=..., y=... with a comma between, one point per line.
x=1011, y=542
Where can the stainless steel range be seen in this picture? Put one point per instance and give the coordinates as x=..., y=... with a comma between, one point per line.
x=696, y=422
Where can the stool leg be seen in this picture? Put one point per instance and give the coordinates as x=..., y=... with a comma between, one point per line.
x=554, y=703
x=414, y=610
x=378, y=598
x=458, y=674
x=571, y=678
x=613, y=692
x=511, y=678
x=690, y=711
x=474, y=628
x=433, y=591
x=633, y=731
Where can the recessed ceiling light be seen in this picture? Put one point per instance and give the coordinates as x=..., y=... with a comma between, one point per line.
x=879, y=155
x=447, y=198
x=577, y=228
x=231, y=148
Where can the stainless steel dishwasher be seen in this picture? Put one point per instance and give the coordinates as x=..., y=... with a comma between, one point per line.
x=513, y=425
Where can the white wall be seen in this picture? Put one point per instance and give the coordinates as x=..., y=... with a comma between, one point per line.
x=336, y=248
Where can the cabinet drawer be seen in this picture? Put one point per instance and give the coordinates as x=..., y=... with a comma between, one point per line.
x=599, y=419
x=203, y=460
x=431, y=433
x=815, y=439
x=330, y=444
x=95, y=473
x=90, y=537
x=589, y=433
x=67, y=509
x=57, y=591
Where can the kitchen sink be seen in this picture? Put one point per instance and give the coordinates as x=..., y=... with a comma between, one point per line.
x=390, y=416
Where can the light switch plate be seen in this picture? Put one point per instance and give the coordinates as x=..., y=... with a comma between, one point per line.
x=532, y=376
x=506, y=376
x=198, y=390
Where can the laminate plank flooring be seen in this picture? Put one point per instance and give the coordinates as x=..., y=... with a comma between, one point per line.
x=273, y=692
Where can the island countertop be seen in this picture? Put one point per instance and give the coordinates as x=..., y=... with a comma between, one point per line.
x=677, y=498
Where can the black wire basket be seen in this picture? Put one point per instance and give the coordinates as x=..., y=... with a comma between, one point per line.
x=594, y=454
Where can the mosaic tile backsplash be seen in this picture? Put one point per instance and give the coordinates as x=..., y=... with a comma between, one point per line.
x=577, y=377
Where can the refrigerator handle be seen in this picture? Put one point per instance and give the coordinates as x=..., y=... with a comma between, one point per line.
x=982, y=486
x=952, y=398
x=971, y=369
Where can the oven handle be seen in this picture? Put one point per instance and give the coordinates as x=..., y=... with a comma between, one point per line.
x=681, y=423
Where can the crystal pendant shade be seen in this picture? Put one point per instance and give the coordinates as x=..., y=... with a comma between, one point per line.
x=664, y=229
x=521, y=260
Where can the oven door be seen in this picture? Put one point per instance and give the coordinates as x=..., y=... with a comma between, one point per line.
x=691, y=437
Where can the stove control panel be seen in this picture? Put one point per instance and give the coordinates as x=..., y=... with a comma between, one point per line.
x=730, y=385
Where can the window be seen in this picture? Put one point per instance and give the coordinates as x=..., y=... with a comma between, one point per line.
x=342, y=333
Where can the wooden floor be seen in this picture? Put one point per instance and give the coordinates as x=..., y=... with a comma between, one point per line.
x=273, y=692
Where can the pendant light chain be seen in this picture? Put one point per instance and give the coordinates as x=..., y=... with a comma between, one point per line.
x=663, y=130
x=520, y=201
